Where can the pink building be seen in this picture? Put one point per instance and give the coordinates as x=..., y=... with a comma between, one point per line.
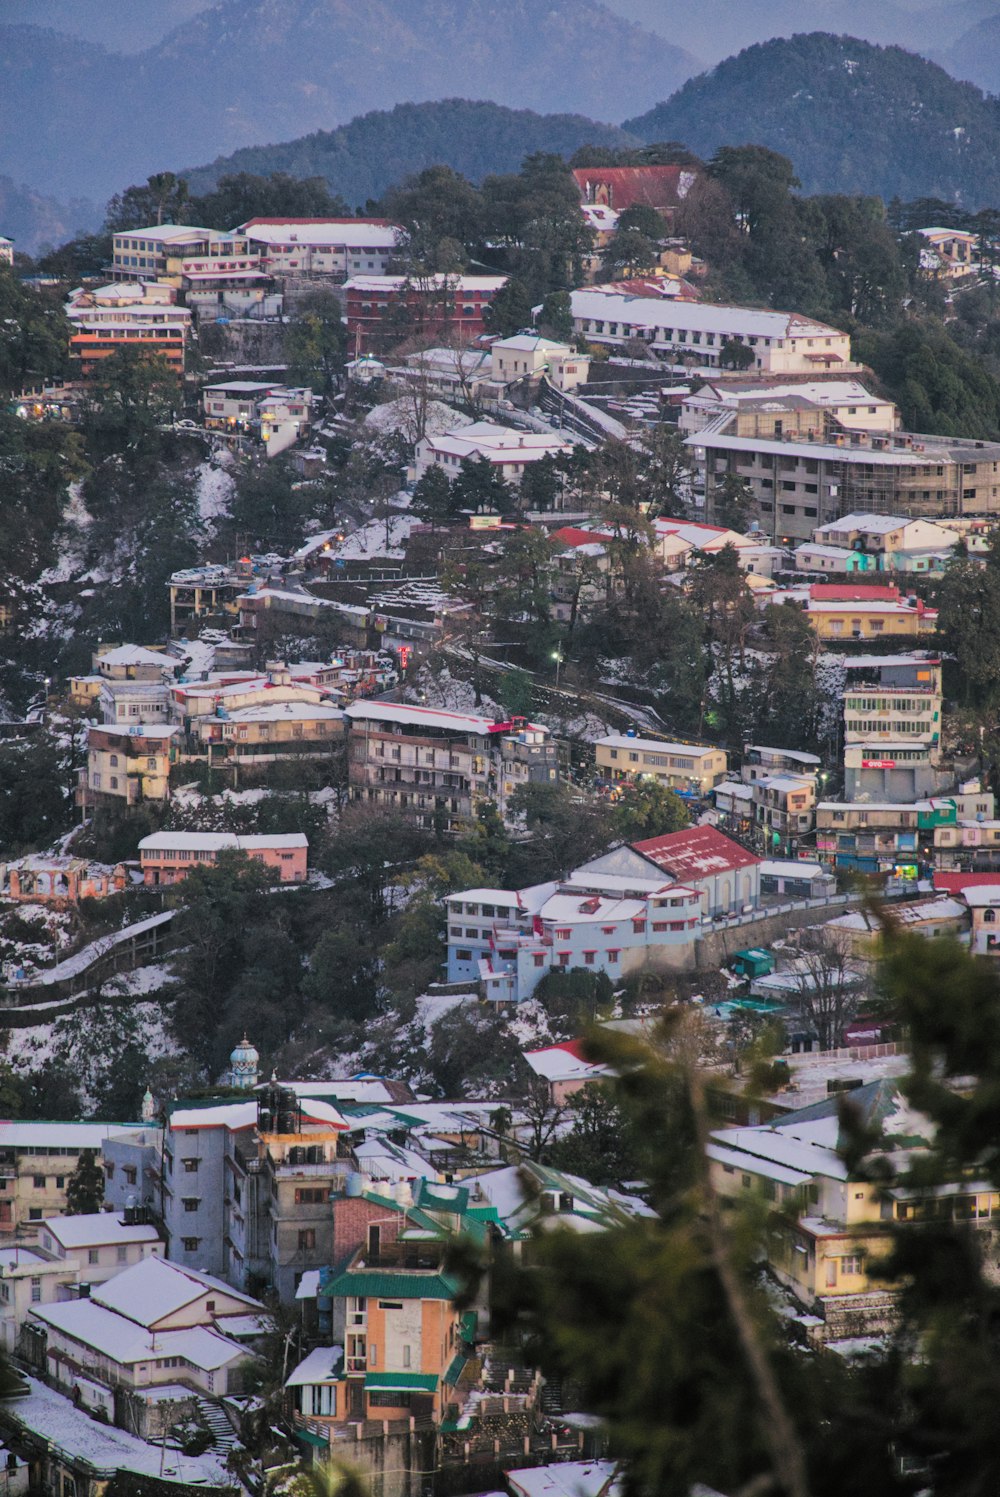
x=166, y=857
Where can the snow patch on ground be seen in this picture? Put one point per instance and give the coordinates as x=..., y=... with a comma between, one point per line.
x=215, y=489
x=401, y=416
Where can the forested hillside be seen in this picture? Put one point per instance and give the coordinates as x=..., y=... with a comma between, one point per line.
x=361, y=159
x=75, y=118
x=853, y=118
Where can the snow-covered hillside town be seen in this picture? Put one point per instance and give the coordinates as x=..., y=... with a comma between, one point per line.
x=499, y=758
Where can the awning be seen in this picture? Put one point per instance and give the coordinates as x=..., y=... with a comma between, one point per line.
x=401, y=1382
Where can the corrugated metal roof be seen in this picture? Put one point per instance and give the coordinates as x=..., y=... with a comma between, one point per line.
x=374, y=1283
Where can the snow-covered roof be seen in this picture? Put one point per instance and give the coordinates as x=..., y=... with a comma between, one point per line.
x=873, y=524
x=526, y=343
x=436, y=282
x=567, y=1479
x=58, y=1136
x=583, y=908
x=410, y=715
x=815, y=548
x=333, y=233
x=927, y=912
x=154, y=1288
x=705, y=317
x=217, y=841
x=97, y=1229
x=564, y=1063
x=497, y=443
x=486, y=896
x=126, y=1342
x=620, y=883
x=897, y=456
x=308, y=1285
x=320, y=1366
x=233, y=1115
x=789, y=868
x=104, y=1450
x=136, y=655
x=168, y=232
x=283, y=711
x=654, y=745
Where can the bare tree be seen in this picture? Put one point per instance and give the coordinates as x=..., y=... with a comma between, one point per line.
x=829, y=990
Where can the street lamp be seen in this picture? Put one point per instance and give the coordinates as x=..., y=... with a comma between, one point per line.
x=557, y=657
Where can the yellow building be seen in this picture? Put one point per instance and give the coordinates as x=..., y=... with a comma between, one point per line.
x=856, y=611
x=679, y=766
x=36, y=1161
x=828, y=1253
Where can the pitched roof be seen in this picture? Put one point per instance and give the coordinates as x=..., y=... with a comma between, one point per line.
x=369, y=1283
x=697, y=852
x=149, y=1290
x=655, y=186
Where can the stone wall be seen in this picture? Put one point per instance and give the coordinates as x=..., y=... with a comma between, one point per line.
x=844, y=1315
x=717, y=947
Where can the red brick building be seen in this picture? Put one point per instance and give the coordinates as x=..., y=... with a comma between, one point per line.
x=384, y=310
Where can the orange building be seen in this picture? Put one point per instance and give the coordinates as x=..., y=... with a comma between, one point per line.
x=402, y=1340
x=127, y=316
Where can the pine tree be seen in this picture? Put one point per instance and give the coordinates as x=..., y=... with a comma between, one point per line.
x=85, y=1186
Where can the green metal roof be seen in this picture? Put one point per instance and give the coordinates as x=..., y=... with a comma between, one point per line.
x=374, y=1283
x=391, y=1382
x=454, y=1371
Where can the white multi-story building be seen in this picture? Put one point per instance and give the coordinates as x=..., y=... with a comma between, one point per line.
x=635, y=907
x=508, y=450
x=698, y=332
x=334, y=247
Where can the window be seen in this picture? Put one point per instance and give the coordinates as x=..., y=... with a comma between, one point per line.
x=191, y=1203
x=463, y=956
x=307, y=1239
x=93, y=1255
x=36, y=1291
x=588, y=957
x=852, y=1263
x=190, y=1244
x=311, y=1195
x=60, y=1182
x=130, y=1174
x=38, y=1181
x=34, y=1213
x=390, y=1304
x=190, y=1166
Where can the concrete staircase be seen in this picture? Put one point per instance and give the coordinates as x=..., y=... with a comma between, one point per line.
x=222, y=1432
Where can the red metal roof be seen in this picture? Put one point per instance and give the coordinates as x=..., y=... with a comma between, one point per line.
x=699, y=852
x=621, y=186
x=847, y=592
x=571, y=535
x=957, y=883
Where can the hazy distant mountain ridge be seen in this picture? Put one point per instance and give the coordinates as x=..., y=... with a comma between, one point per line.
x=361, y=159
x=76, y=119
x=853, y=118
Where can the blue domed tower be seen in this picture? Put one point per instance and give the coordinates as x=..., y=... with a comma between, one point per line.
x=244, y=1065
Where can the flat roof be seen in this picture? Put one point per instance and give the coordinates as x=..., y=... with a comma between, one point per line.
x=655, y=745
x=97, y=1228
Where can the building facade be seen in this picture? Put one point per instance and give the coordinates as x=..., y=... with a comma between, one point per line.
x=689, y=767
x=436, y=767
